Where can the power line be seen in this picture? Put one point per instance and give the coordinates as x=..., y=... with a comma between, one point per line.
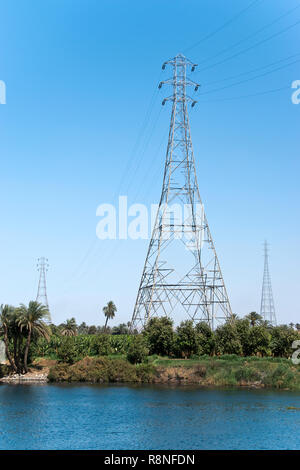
x=248, y=96
x=144, y=150
x=227, y=23
x=249, y=79
x=282, y=31
x=147, y=173
x=139, y=138
x=141, y=132
x=232, y=77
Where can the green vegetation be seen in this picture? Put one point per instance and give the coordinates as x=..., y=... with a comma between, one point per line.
x=69, y=328
x=19, y=327
x=137, y=350
x=102, y=370
x=245, y=351
x=109, y=311
x=206, y=371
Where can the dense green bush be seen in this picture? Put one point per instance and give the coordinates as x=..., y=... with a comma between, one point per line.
x=67, y=351
x=101, y=370
x=120, y=343
x=138, y=350
x=85, y=345
x=205, y=338
x=186, y=340
x=227, y=339
x=159, y=335
x=282, y=338
x=280, y=377
x=100, y=345
x=259, y=341
x=239, y=337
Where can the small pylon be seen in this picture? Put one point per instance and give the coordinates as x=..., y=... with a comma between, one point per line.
x=267, y=309
x=42, y=267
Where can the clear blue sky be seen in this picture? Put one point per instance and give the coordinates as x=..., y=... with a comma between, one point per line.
x=80, y=76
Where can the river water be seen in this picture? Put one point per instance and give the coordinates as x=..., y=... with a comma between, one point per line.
x=146, y=417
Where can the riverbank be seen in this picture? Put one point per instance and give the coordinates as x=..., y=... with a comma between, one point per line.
x=204, y=371
x=38, y=373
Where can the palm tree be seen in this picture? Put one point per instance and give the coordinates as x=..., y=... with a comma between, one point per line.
x=109, y=311
x=7, y=319
x=254, y=318
x=30, y=319
x=69, y=328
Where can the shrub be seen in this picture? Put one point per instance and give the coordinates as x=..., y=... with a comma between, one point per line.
x=67, y=352
x=159, y=335
x=259, y=341
x=186, y=340
x=200, y=370
x=281, y=377
x=101, y=370
x=227, y=339
x=282, y=338
x=205, y=338
x=145, y=372
x=100, y=345
x=137, y=351
x=59, y=373
x=243, y=330
x=120, y=343
x=247, y=374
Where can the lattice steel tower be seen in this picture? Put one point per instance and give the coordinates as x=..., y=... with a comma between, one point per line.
x=181, y=278
x=267, y=309
x=42, y=267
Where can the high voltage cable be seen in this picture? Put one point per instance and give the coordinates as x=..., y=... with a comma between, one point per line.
x=144, y=150
x=213, y=33
x=142, y=130
x=250, y=71
x=241, y=41
x=248, y=96
x=142, y=185
x=282, y=31
x=139, y=137
x=150, y=108
x=249, y=79
x=111, y=253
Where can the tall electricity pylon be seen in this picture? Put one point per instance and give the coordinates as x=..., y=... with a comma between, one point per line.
x=267, y=309
x=42, y=267
x=181, y=278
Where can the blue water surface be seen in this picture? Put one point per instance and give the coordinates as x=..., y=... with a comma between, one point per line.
x=146, y=417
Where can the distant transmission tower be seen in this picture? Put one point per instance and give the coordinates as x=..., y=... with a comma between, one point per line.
x=181, y=278
x=42, y=267
x=267, y=309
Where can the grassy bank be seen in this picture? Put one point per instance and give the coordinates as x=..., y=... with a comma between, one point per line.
x=220, y=371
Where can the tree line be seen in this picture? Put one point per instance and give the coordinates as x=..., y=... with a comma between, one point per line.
x=21, y=328
x=28, y=333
